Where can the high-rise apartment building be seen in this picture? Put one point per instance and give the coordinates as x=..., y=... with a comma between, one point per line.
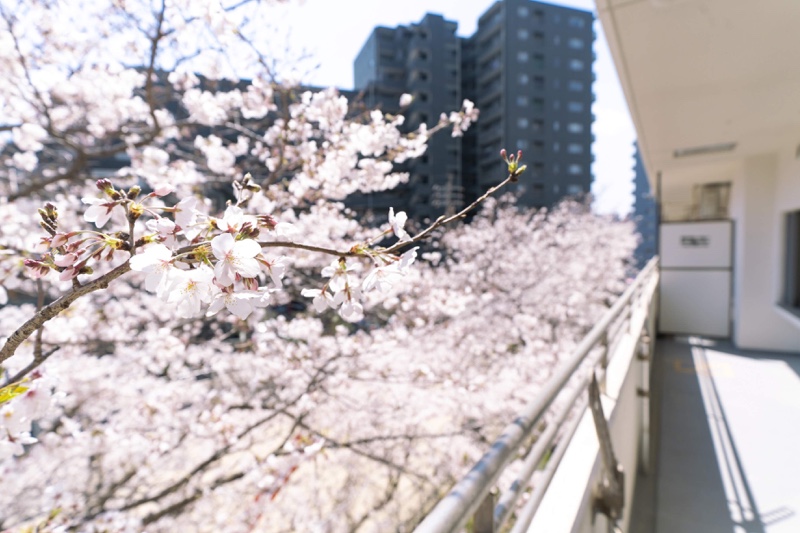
x=423, y=60
x=528, y=68
x=645, y=212
x=532, y=81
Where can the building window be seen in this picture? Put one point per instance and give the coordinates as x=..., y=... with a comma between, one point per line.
x=575, y=107
x=574, y=169
x=556, y=147
x=574, y=190
x=575, y=127
x=713, y=199
x=575, y=85
x=522, y=122
x=523, y=34
x=523, y=79
x=575, y=64
x=577, y=22
x=522, y=57
x=557, y=40
x=575, y=148
x=538, y=36
x=538, y=105
x=556, y=125
x=575, y=43
x=791, y=280
x=538, y=82
x=523, y=11
x=522, y=144
x=522, y=101
x=538, y=61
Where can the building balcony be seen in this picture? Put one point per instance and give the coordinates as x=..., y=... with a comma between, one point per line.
x=490, y=135
x=491, y=48
x=490, y=113
x=676, y=434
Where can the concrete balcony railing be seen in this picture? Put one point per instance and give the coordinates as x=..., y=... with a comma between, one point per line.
x=582, y=461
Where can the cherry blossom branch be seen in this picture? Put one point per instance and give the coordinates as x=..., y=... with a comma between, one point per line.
x=39, y=356
x=441, y=221
x=180, y=505
x=52, y=310
x=318, y=376
x=389, y=493
x=333, y=443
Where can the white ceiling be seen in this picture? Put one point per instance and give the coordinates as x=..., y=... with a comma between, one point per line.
x=705, y=72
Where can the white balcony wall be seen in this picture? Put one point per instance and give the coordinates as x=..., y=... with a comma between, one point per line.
x=763, y=192
x=565, y=509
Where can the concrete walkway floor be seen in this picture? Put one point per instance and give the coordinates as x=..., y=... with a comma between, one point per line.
x=727, y=444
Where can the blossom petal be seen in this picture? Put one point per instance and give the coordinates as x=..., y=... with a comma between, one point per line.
x=221, y=245
x=246, y=248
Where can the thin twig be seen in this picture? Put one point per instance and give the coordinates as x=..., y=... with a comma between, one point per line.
x=441, y=221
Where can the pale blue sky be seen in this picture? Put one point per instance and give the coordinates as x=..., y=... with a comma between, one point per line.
x=333, y=31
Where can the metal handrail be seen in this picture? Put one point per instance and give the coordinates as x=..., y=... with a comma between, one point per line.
x=461, y=503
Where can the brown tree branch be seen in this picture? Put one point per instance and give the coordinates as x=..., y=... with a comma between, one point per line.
x=52, y=310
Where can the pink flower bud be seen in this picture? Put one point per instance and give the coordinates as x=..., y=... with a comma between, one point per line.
x=37, y=269
x=66, y=260
x=163, y=189
x=59, y=239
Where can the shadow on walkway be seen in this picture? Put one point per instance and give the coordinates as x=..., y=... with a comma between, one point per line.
x=727, y=442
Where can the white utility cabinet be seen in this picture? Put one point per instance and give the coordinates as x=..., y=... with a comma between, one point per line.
x=696, y=274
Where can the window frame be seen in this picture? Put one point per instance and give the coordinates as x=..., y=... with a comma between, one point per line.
x=790, y=297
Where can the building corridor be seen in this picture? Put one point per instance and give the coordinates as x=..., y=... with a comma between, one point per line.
x=728, y=441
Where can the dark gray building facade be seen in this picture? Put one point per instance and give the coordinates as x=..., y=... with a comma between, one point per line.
x=423, y=60
x=528, y=68
x=645, y=212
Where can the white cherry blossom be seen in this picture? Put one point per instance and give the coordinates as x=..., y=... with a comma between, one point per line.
x=190, y=290
x=234, y=257
x=156, y=262
x=322, y=300
x=240, y=303
x=99, y=210
x=398, y=223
